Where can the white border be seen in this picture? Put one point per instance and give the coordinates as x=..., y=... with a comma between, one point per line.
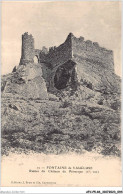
x=60, y=190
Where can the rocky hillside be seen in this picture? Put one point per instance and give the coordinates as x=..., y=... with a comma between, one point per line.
x=26, y=81
x=79, y=119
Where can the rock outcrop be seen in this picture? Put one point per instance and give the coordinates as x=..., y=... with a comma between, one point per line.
x=26, y=82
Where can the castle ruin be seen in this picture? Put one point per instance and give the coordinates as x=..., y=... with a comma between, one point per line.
x=65, y=64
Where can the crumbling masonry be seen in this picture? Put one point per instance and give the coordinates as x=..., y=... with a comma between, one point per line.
x=62, y=65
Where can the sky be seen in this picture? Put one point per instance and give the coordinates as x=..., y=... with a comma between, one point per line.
x=51, y=22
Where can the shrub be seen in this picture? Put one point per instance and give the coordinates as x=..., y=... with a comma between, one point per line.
x=65, y=104
x=115, y=105
x=88, y=84
x=100, y=102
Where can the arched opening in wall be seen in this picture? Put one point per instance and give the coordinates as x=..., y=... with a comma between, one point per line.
x=36, y=59
x=66, y=76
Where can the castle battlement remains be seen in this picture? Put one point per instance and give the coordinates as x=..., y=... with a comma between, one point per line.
x=72, y=47
x=74, y=59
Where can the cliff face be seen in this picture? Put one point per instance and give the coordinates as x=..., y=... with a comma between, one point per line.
x=69, y=101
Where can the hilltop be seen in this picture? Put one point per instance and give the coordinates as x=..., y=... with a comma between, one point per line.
x=62, y=103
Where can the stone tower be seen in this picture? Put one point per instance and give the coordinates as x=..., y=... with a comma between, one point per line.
x=27, y=52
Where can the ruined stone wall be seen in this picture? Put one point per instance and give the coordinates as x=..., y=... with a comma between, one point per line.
x=27, y=53
x=87, y=55
x=72, y=47
x=58, y=55
x=92, y=52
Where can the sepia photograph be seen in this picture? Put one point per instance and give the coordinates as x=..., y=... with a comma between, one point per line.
x=61, y=94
